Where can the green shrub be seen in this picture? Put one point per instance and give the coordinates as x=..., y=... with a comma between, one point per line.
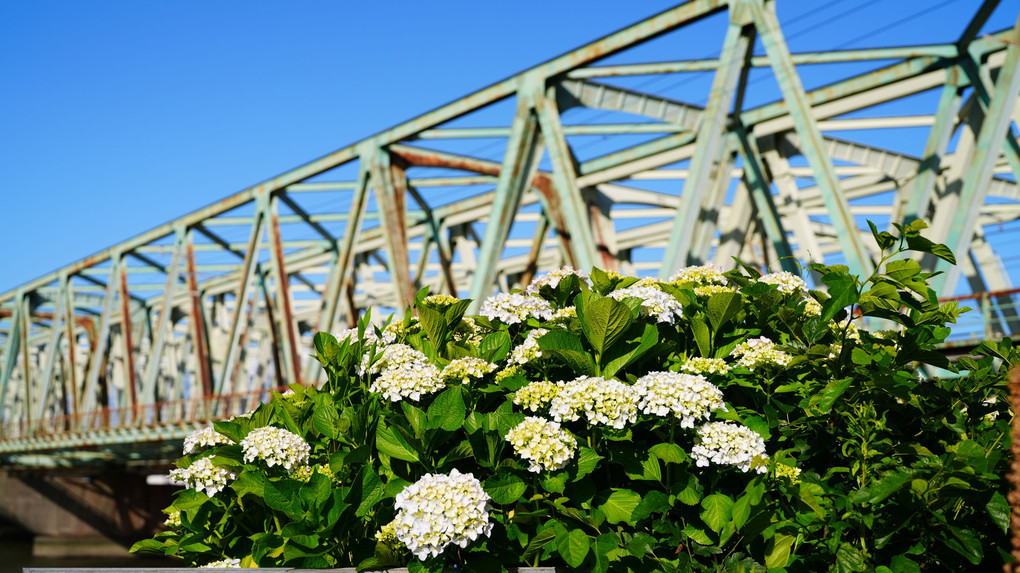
x=714, y=422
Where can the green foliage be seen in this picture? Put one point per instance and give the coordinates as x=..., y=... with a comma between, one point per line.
x=870, y=467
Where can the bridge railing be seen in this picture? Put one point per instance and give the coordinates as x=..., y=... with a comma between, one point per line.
x=174, y=413
x=992, y=316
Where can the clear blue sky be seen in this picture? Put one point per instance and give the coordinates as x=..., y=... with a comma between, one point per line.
x=117, y=116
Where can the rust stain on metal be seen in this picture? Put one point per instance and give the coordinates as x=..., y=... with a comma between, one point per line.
x=125, y=326
x=198, y=323
x=283, y=292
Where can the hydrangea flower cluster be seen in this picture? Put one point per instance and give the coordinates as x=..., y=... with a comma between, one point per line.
x=689, y=397
x=464, y=369
x=468, y=332
x=396, y=329
x=852, y=332
x=228, y=563
x=304, y=473
x=730, y=444
x=542, y=443
x=607, y=402
x=515, y=308
x=760, y=351
x=563, y=315
x=173, y=520
x=405, y=373
x=812, y=307
x=527, y=350
x=787, y=282
x=440, y=301
x=703, y=275
x=537, y=395
x=709, y=290
x=275, y=446
x=202, y=475
x=654, y=302
x=699, y=365
x=790, y=472
x=438, y=510
x=552, y=279
x=207, y=437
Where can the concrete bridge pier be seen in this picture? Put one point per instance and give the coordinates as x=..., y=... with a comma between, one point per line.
x=76, y=516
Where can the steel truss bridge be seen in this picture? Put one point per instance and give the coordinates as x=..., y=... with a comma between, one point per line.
x=587, y=159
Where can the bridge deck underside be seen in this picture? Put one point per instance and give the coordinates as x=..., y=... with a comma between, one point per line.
x=592, y=158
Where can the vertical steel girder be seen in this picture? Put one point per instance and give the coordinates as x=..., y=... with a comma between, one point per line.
x=11, y=352
x=571, y=205
x=246, y=273
x=390, y=184
x=758, y=187
x=163, y=324
x=519, y=165
x=284, y=305
x=708, y=147
x=97, y=363
x=987, y=147
x=806, y=126
x=197, y=321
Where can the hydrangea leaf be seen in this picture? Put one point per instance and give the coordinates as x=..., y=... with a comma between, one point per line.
x=620, y=505
x=505, y=487
x=718, y=511
x=573, y=547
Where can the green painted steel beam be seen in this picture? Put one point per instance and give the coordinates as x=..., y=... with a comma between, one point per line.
x=989, y=143
x=898, y=53
x=806, y=126
x=761, y=193
x=710, y=142
x=594, y=129
x=516, y=172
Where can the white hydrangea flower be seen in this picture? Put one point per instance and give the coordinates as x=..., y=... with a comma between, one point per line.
x=515, y=308
x=396, y=328
x=852, y=332
x=527, y=350
x=440, y=300
x=537, y=395
x=709, y=290
x=207, y=437
x=703, y=275
x=686, y=396
x=607, y=402
x=464, y=369
x=723, y=443
x=173, y=519
x=276, y=446
x=552, y=279
x=351, y=335
x=563, y=315
x=787, y=282
x=542, y=443
x=468, y=332
x=387, y=534
x=202, y=475
x=654, y=302
x=405, y=373
x=812, y=307
x=438, y=510
x=228, y=563
x=760, y=351
x=700, y=365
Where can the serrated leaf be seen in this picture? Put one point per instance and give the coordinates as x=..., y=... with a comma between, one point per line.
x=620, y=506
x=849, y=559
x=842, y=293
x=370, y=489
x=669, y=453
x=603, y=321
x=392, y=443
x=889, y=484
x=722, y=307
x=779, y=550
x=573, y=547
x=697, y=535
x=495, y=346
x=540, y=540
x=702, y=336
x=283, y=496
x=718, y=511
x=504, y=487
x=447, y=411
x=587, y=460
x=998, y=509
